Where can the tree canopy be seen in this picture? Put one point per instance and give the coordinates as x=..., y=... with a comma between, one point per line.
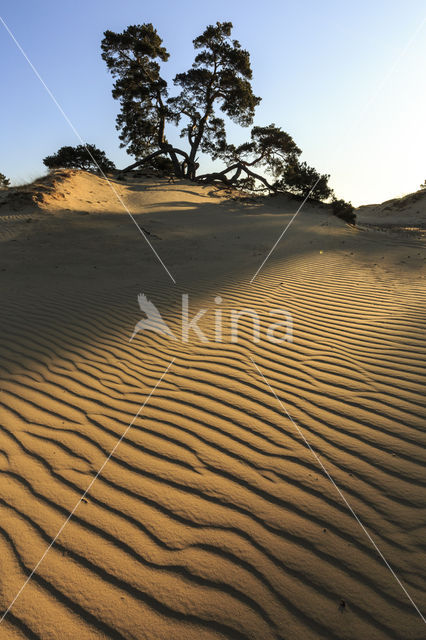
x=87, y=157
x=302, y=180
x=4, y=182
x=217, y=86
x=220, y=76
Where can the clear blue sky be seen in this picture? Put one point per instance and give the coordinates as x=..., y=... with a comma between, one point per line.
x=321, y=67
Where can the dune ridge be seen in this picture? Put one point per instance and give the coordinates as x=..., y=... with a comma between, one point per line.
x=212, y=519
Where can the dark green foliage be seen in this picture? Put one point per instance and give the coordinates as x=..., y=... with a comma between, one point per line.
x=87, y=157
x=217, y=84
x=423, y=186
x=4, y=182
x=344, y=210
x=138, y=130
x=269, y=147
x=220, y=75
x=132, y=56
x=302, y=180
x=161, y=164
x=247, y=183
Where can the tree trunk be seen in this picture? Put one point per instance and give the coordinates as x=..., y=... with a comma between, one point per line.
x=172, y=153
x=179, y=168
x=166, y=149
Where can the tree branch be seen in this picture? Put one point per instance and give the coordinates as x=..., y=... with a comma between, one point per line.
x=240, y=167
x=138, y=163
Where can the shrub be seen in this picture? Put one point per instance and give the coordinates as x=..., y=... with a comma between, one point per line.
x=344, y=210
x=87, y=157
x=162, y=164
x=4, y=182
x=302, y=180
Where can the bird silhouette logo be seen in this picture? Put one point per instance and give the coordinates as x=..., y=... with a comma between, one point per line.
x=153, y=320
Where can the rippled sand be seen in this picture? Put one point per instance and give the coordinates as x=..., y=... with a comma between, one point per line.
x=212, y=519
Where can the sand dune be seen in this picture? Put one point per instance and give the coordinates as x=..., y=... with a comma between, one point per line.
x=405, y=213
x=212, y=519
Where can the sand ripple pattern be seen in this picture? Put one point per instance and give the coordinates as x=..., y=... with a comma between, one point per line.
x=213, y=520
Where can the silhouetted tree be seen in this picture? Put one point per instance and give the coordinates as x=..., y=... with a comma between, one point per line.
x=269, y=149
x=4, y=182
x=162, y=165
x=302, y=180
x=87, y=157
x=219, y=80
x=220, y=76
x=344, y=210
x=423, y=186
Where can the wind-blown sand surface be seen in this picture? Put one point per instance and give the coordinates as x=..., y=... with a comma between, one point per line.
x=407, y=213
x=212, y=519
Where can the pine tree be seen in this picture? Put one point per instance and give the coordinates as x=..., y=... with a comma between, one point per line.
x=219, y=78
x=217, y=85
